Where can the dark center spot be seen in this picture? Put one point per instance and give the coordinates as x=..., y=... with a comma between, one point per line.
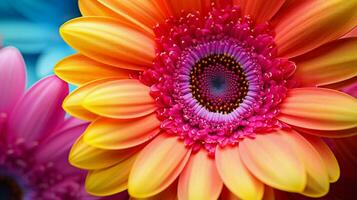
x=10, y=189
x=218, y=82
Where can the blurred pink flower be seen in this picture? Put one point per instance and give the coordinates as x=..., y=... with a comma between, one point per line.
x=35, y=137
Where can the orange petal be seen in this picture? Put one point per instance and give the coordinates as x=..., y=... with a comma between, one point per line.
x=261, y=10
x=109, y=41
x=188, y=5
x=228, y=195
x=200, y=179
x=85, y=156
x=169, y=193
x=327, y=156
x=329, y=134
x=273, y=161
x=157, y=166
x=121, y=134
x=319, y=108
x=317, y=175
x=330, y=63
x=121, y=99
x=108, y=181
x=236, y=176
x=268, y=193
x=73, y=104
x=78, y=69
x=306, y=25
x=142, y=13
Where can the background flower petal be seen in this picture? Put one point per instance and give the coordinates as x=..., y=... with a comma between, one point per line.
x=13, y=78
x=39, y=111
x=260, y=10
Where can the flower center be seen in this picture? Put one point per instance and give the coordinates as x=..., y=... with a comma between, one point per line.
x=216, y=78
x=10, y=189
x=218, y=83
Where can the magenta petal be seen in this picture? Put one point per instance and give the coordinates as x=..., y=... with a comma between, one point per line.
x=56, y=147
x=351, y=89
x=39, y=111
x=12, y=78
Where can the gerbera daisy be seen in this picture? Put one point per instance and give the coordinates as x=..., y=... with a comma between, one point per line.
x=35, y=139
x=197, y=100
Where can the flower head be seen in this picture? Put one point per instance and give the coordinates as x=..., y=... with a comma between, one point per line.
x=35, y=138
x=198, y=100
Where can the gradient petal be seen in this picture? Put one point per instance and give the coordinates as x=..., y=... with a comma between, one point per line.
x=110, y=180
x=56, y=147
x=88, y=157
x=327, y=156
x=236, y=176
x=109, y=41
x=144, y=14
x=273, y=161
x=305, y=25
x=73, y=104
x=157, y=166
x=260, y=10
x=39, y=112
x=200, y=179
x=120, y=99
x=317, y=175
x=12, y=77
x=330, y=63
x=78, y=69
x=319, y=108
x=121, y=134
x=177, y=7
x=330, y=133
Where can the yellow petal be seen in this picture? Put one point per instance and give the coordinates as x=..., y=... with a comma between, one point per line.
x=78, y=70
x=261, y=10
x=269, y=158
x=200, y=179
x=96, y=8
x=330, y=63
x=121, y=134
x=109, y=41
x=306, y=25
x=73, y=103
x=317, y=175
x=108, y=181
x=236, y=176
x=327, y=156
x=88, y=157
x=142, y=13
x=157, y=166
x=120, y=99
x=319, y=108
